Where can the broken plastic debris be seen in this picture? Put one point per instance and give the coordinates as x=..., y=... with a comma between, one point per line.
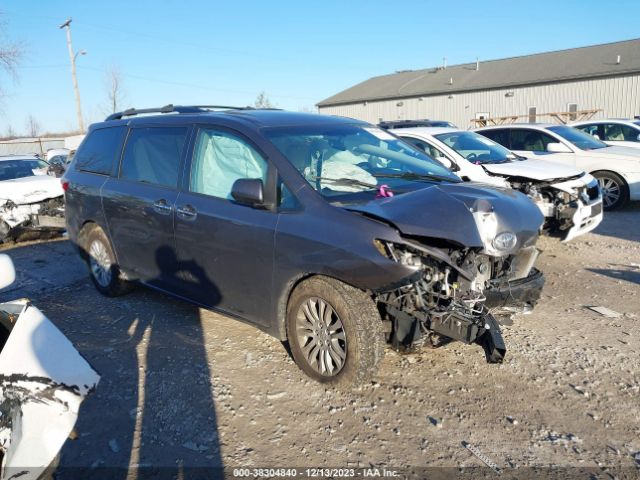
x=483, y=458
x=604, y=311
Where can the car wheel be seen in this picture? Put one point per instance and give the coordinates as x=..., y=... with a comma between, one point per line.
x=615, y=191
x=103, y=267
x=334, y=332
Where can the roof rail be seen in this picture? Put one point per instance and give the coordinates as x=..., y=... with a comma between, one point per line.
x=170, y=109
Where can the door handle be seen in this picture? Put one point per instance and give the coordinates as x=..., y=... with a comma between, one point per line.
x=187, y=212
x=162, y=207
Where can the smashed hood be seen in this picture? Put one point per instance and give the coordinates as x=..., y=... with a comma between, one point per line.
x=533, y=169
x=448, y=211
x=30, y=189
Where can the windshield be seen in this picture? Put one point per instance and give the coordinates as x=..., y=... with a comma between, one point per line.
x=346, y=160
x=578, y=138
x=476, y=148
x=12, y=169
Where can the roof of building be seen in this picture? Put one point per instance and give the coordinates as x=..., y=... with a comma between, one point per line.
x=561, y=65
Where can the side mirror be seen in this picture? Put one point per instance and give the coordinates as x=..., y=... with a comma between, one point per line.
x=7, y=271
x=638, y=137
x=248, y=191
x=597, y=137
x=557, y=147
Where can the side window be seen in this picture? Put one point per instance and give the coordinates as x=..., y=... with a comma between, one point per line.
x=221, y=158
x=617, y=133
x=530, y=140
x=500, y=136
x=99, y=150
x=425, y=147
x=152, y=155
x=588, y=129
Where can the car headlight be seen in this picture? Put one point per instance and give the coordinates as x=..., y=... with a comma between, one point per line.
x=504, y=241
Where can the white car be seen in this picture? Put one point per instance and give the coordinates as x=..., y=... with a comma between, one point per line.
x=616, y=168
x=43, y=381
x=29, y=197
x=623, y=133
x=569, y=199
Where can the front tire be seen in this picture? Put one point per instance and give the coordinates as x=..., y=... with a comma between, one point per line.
x=615, y=191
x=103, y=267
x=334, y=332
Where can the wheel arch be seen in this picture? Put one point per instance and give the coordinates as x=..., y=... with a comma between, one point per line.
x=285, y=296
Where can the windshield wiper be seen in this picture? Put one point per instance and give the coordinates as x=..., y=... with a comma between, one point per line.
x=350, y=182
x=413, y=176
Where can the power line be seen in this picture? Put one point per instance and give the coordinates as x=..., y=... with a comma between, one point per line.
x=193, y=85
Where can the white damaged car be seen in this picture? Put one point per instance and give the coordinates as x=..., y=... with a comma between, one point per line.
x=29, y=197
x=43, y=381
x=569, y=199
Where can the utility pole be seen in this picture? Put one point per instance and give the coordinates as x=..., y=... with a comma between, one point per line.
x=73, y=57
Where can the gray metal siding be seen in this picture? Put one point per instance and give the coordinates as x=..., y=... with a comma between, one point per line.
x=618, y=97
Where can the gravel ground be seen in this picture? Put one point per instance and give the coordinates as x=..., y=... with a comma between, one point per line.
x=183, y=387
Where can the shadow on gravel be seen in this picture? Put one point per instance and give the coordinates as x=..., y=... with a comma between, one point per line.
x=621, y=223
x=153, y=413
x=632, y=276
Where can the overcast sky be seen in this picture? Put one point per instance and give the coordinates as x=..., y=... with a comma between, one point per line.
x=298, y=52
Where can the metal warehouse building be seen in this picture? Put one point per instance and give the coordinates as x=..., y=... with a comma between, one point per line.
x=589, y=82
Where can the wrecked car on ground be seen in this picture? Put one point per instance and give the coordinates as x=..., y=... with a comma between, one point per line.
x=43, y=381
x=326, y=232
x=569, y=199
x=30, y=199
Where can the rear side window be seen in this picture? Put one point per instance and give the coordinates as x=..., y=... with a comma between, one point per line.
x=500, y=136
x=152, y=155
x=615, y=132
x=220, y=159
x=100, y=150
x=530, y=140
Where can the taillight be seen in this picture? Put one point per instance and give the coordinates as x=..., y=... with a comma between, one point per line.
x=65, y=185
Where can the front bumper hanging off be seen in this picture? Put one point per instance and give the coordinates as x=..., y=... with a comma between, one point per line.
x=516, y=296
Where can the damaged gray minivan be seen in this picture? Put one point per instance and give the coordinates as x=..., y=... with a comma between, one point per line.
x=325, y=232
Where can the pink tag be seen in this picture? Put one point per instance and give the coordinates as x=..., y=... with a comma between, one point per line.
x=383, y=192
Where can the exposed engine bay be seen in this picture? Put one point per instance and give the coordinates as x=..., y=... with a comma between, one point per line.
x=457, y=295
x=44, y=215
x=570, y=207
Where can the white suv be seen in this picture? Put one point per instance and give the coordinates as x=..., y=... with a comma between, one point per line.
x=616, y=168
x=569, y=199
x=623, y=133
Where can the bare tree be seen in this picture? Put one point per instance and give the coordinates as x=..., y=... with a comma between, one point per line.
x=10, y=52
x=33, y=127
x=307, y=109
x=114, y=87
x=262, y=101
x=10, y=134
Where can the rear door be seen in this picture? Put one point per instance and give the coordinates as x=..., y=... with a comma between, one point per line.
x=139, y=205
x=225, y=249
x=532, y=143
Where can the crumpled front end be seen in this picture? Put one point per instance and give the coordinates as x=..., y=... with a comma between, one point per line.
x=43, y=381
x=47, y=215
x=452, y=296
x=571, y=207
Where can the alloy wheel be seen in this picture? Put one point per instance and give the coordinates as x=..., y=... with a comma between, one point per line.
x=100, y=263
x=611, y=191
x=321, y=336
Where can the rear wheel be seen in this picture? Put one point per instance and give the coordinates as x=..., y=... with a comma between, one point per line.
x=103, y=268
x=335, y=332
x=615, y=191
